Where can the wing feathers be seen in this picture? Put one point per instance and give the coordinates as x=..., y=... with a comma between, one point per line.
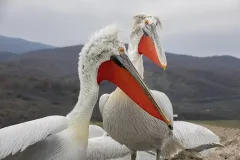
x=95, y=131
x=105, y=148
x=18, y=137
x=195, y=137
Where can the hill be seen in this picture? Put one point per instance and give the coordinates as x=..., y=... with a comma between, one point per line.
x=45, y=82
x=6, y=56
x=17, y=45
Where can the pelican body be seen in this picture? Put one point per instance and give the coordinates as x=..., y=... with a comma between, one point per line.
x=193, y=137
x=134, y=128
x=123, y=120
x=119, y=111
x=66, y=137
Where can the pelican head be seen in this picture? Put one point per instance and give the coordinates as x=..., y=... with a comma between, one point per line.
x=148, y=26
x=105, y=58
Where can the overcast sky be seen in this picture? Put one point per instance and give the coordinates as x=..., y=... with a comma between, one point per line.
x=193, y=27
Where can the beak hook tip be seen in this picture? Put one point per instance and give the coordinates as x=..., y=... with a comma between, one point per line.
x=164, y=67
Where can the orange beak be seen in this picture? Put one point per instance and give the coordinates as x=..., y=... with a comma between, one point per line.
x=120, y=71
x=150, y=46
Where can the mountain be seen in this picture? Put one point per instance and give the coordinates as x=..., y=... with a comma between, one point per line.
x=45, y=82
x=6, y=55
x=17, y=45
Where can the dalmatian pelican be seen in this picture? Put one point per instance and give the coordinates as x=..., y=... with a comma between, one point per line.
x=119, y=111
x=193, y=137
x=148, y=133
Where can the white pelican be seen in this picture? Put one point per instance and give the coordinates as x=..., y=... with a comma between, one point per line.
x=123, y=120
x=119, y=111
x=193, y=137
x=66, y=138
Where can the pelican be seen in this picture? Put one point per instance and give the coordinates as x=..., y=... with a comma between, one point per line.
x=193, y=137
x=66, y=137
x=119, y=111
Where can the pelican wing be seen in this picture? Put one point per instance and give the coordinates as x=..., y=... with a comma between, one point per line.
x=105, y=148
x=95, y=131
x=165, y=103
x=192, y=136
x=195, y=137
x=18, y=137
x=102, y=101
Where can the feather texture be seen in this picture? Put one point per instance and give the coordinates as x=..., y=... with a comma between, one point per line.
x=18, y=137
x=95, y=131
x=104, y=147
x=192, y=136
x=102, y=101
x=195, y=137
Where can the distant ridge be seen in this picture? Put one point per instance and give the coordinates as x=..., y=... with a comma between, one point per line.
x=6, y=56
x=18, y=45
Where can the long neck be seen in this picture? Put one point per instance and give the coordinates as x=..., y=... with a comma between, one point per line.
x=133, y=53
x=134, y=56
x=79, y=117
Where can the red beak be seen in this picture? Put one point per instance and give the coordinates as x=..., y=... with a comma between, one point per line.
x=120, y=71
x=147, y=47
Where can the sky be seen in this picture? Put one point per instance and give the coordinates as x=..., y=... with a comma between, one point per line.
x=192, y=27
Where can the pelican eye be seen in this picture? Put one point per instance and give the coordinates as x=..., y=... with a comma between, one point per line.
x=146, y=21
x=121, y=50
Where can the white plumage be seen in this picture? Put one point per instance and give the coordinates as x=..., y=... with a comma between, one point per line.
x=124, y=120
x=18, y=137
x=195, y=137
x=130, y=125
x=59, y=137
x=95, y=131
x=104, y=147
x=192, y=136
